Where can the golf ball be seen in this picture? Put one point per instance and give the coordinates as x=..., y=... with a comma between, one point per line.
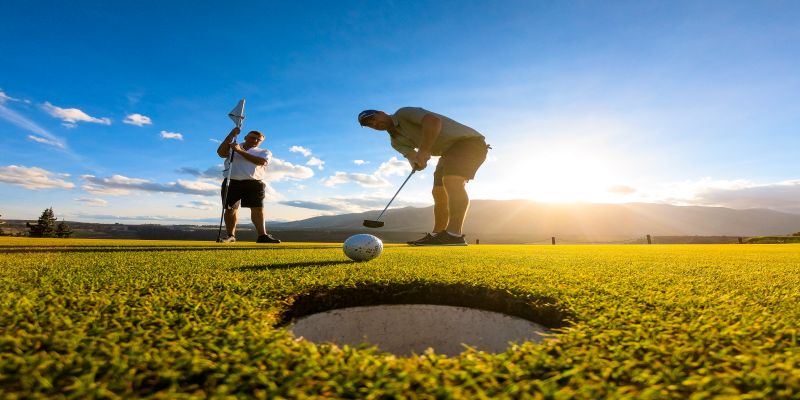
x=362, y=247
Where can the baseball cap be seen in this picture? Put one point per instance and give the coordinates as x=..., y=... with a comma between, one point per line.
x=362, y=116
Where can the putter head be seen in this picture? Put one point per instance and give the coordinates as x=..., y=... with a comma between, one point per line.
x=373, y=224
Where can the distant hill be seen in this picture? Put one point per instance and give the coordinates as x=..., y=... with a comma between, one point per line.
x=507, y=220
x=497, y=221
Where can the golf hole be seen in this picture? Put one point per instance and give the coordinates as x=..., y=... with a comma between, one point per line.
x=407, y=329
x=406, y=319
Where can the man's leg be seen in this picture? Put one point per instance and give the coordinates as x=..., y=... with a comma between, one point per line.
x=257, y=216
x=457, y=201
x=230, y=221
x=441, y=211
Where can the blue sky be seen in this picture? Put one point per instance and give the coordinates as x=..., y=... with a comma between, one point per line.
x=110, y=112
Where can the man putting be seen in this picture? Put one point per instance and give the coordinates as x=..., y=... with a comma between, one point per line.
x=248, y=169
x=417, y=134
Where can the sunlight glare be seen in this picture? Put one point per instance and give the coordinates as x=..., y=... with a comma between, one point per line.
x=568, y=176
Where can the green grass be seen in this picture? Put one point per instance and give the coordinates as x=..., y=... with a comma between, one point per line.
x=122, y=319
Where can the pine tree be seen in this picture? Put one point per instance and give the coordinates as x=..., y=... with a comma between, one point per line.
x=46, y=225
x=63, y=230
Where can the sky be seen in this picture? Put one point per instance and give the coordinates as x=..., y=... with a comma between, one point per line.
x=112, y=112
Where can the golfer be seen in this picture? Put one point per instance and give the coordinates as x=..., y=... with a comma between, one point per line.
x=248, y=169
x=418, y=134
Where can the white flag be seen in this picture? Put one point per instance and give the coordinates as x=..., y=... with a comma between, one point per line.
x=237, y=114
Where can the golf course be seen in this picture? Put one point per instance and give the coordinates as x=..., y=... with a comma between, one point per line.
x=116, y=319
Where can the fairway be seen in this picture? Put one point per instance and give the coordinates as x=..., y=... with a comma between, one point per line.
x=120, y=319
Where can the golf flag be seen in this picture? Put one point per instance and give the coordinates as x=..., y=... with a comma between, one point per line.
x=237, y=114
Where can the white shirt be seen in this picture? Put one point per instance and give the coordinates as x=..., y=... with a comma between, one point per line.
x=243, y=169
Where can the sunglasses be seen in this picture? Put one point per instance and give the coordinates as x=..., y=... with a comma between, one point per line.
x=368, y=120
x=259, y=138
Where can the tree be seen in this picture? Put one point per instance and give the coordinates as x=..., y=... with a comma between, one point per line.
x=63, y=230
x=2, y=233
x=796, y=234
x=46, y=225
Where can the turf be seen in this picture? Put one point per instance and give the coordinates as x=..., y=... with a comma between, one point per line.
x=123, y=319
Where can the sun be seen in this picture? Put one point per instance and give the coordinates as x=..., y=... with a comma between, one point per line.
x=568, y=176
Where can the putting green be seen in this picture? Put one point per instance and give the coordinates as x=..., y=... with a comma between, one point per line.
x=93, y=318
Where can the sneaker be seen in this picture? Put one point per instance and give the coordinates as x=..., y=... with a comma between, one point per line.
x=444, y=239
x=267, y=239
x=229, y=239
x=427, y=237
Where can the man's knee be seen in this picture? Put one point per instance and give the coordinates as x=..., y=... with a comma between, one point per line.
x=439, y=193
x=453, y=182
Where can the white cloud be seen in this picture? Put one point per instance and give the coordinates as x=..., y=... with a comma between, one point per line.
x=100, y=190
x=171, y=135
x=350, y=204
x=32, y=178
x=120, y=185
x=738, y=194
x=72, y=116
x=46, y=141
x=300, y=149
x=365, y=180
x=215, y=141
x=622, y=189
x=316, y=162
x=377, y=179
x=213, y=173
x=781, y=196
x=270, y=194
x=138, y=120
x=360, y=162
x=152, y=218
x=92, y=201
x=279, y=170
x=393, y=167
x=199, y=205
x=312, y=161
x=4, y=97
x=30, y=126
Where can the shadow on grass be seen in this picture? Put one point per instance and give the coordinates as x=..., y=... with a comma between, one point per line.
x=153, y=248
x=305, y=264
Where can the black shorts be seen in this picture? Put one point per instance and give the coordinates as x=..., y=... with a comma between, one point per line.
x=463, y=159
x=249, y=193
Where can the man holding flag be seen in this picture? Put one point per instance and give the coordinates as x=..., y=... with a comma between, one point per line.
x=247, y=167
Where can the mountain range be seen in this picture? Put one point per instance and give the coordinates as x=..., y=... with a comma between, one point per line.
x=531, y=221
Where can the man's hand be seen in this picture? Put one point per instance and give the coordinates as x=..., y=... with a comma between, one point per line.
x=237, y=148
x=234, y=132
x=419, y=160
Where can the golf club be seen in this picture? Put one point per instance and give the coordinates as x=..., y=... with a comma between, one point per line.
x=237, y=115
x=377, y=223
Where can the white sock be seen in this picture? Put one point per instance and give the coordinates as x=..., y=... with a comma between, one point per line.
x=453, y=234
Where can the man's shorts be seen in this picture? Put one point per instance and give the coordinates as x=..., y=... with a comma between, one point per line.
x=247, y=193
x=463, y=159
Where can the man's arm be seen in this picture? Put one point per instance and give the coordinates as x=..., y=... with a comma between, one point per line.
x=407, y=151
x=431, y=127
x=247, y=156
x=224, y=149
